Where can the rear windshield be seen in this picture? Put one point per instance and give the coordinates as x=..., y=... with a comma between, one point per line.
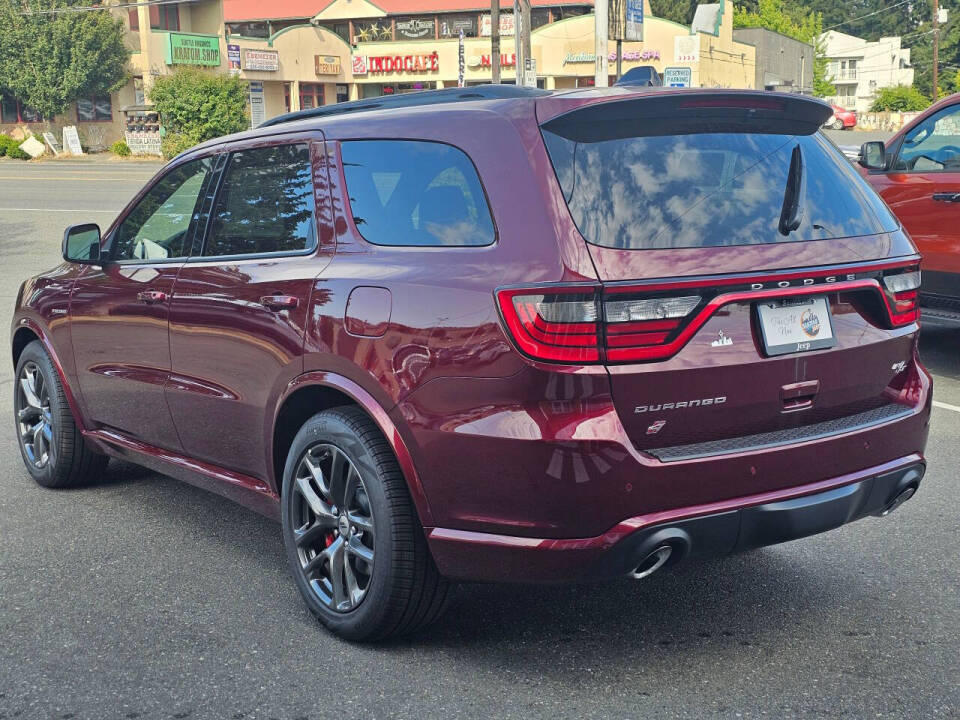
x=709, y=189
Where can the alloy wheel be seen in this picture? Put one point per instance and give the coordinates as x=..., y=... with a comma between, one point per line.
x=34, y=420
x=334, y=529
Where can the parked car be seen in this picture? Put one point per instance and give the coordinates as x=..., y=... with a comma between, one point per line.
x=493, y=334
x=841, y=119
x=917, y=172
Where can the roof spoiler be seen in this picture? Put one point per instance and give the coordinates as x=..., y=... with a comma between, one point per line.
x=426, y=97
x=685, y=112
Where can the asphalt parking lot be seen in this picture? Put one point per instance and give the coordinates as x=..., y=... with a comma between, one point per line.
x=142, y=597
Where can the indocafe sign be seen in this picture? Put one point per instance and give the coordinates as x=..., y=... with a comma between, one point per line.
x=382, y=64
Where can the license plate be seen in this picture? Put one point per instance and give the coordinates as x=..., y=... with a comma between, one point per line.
x=796, y=325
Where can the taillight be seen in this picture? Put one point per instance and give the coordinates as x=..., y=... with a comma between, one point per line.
x=558, y=324
x=903, y=293
x=636, y=326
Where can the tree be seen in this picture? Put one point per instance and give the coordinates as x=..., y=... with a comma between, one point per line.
x=679, y=11
x=196, y=105
x=899, y=98
x=48, y=60
x=794, y=21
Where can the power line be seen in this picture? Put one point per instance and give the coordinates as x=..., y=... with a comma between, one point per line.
x=875, y=12
x=90, y=8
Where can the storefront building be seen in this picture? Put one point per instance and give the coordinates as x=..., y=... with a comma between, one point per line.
x=307, y=53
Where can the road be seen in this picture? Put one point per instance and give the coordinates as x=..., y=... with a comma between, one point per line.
x=144, y=598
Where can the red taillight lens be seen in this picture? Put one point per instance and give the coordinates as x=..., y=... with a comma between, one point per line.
x=903, y=296
x=553, y=325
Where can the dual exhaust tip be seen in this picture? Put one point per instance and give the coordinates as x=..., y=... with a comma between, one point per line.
x=679, y=544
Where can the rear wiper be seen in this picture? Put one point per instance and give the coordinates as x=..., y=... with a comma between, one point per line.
x=791, y=214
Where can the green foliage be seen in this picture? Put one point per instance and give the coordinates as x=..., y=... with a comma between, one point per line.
x=199, y=105
x=174, y=144
x=11, y=148
x=899, y=98
x=49, y=60
x=679, y=11
x=120, y=148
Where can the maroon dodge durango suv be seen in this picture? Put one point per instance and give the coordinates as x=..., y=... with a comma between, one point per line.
x=493, y=334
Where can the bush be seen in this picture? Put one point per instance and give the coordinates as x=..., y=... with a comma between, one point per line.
x=902, y=98
x=11, y=148
x=174, y=144
x=196, y=105
x=120, y=148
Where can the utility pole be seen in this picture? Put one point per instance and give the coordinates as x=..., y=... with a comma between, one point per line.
x=936, y=45
x=601, y=20
x=495, y=41
x=521, y=35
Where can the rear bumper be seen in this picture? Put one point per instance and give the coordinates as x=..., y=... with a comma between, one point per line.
x=711, y=530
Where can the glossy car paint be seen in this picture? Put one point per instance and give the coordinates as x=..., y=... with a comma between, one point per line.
x=933, y=225
x=498, y=450
x=848, y=118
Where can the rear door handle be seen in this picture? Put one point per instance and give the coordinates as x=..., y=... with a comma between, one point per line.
x=947, y=197
x=152, y=297
x=279, y=302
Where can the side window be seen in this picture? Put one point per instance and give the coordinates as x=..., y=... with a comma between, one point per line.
x=933, y=145
x=412, y=192
x=156, y=229
x=265, y=203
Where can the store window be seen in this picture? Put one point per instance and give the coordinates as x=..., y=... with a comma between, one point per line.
x=249, y=29
x=94, y=109
x=451, y=25
x=539, y=17
x=562, y=13
x=164, y=17
x=343, y=93
x=14, y=111
x=311, y=95
x=415, y=193
x=340, y=29
x=372, y=31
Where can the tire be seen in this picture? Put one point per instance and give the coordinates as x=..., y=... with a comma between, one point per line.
x=62, y=457
x=837, y=124
x=347, y=514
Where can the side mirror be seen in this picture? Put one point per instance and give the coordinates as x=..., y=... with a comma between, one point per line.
x=81, y=244
x=873, y=155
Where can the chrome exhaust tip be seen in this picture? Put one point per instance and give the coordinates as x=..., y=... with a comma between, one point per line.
x=652, y=562
x=899, y=500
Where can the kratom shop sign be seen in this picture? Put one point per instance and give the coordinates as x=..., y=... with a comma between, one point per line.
x=192, y=49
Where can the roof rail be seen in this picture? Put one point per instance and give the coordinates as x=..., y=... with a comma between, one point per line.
x=426, y=97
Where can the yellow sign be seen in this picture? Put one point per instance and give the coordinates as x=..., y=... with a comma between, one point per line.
x=326, y=64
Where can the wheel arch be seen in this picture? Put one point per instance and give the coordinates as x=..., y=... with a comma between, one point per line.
x=25, y=332
x=314, y=392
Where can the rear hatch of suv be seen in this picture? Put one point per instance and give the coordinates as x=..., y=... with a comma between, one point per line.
x=754, y=290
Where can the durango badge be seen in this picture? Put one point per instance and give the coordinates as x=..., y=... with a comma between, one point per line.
x=680, y=405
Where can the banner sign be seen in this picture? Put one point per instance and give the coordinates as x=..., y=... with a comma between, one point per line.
x=686, y=49
x=263, y=60
x=143, y=143
x=192, y=49
x=258, y=112
x=326, y=64
x=506, y=25
x=416, y=28
x=633, y=29
x=451, y=26
x=233, y=57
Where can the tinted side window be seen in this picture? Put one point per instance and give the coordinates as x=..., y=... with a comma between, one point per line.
x=156, y=228
x=265, y=203
x=409, y=192
x=933, y=145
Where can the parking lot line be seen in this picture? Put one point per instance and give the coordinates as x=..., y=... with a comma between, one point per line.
x=946, y=406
